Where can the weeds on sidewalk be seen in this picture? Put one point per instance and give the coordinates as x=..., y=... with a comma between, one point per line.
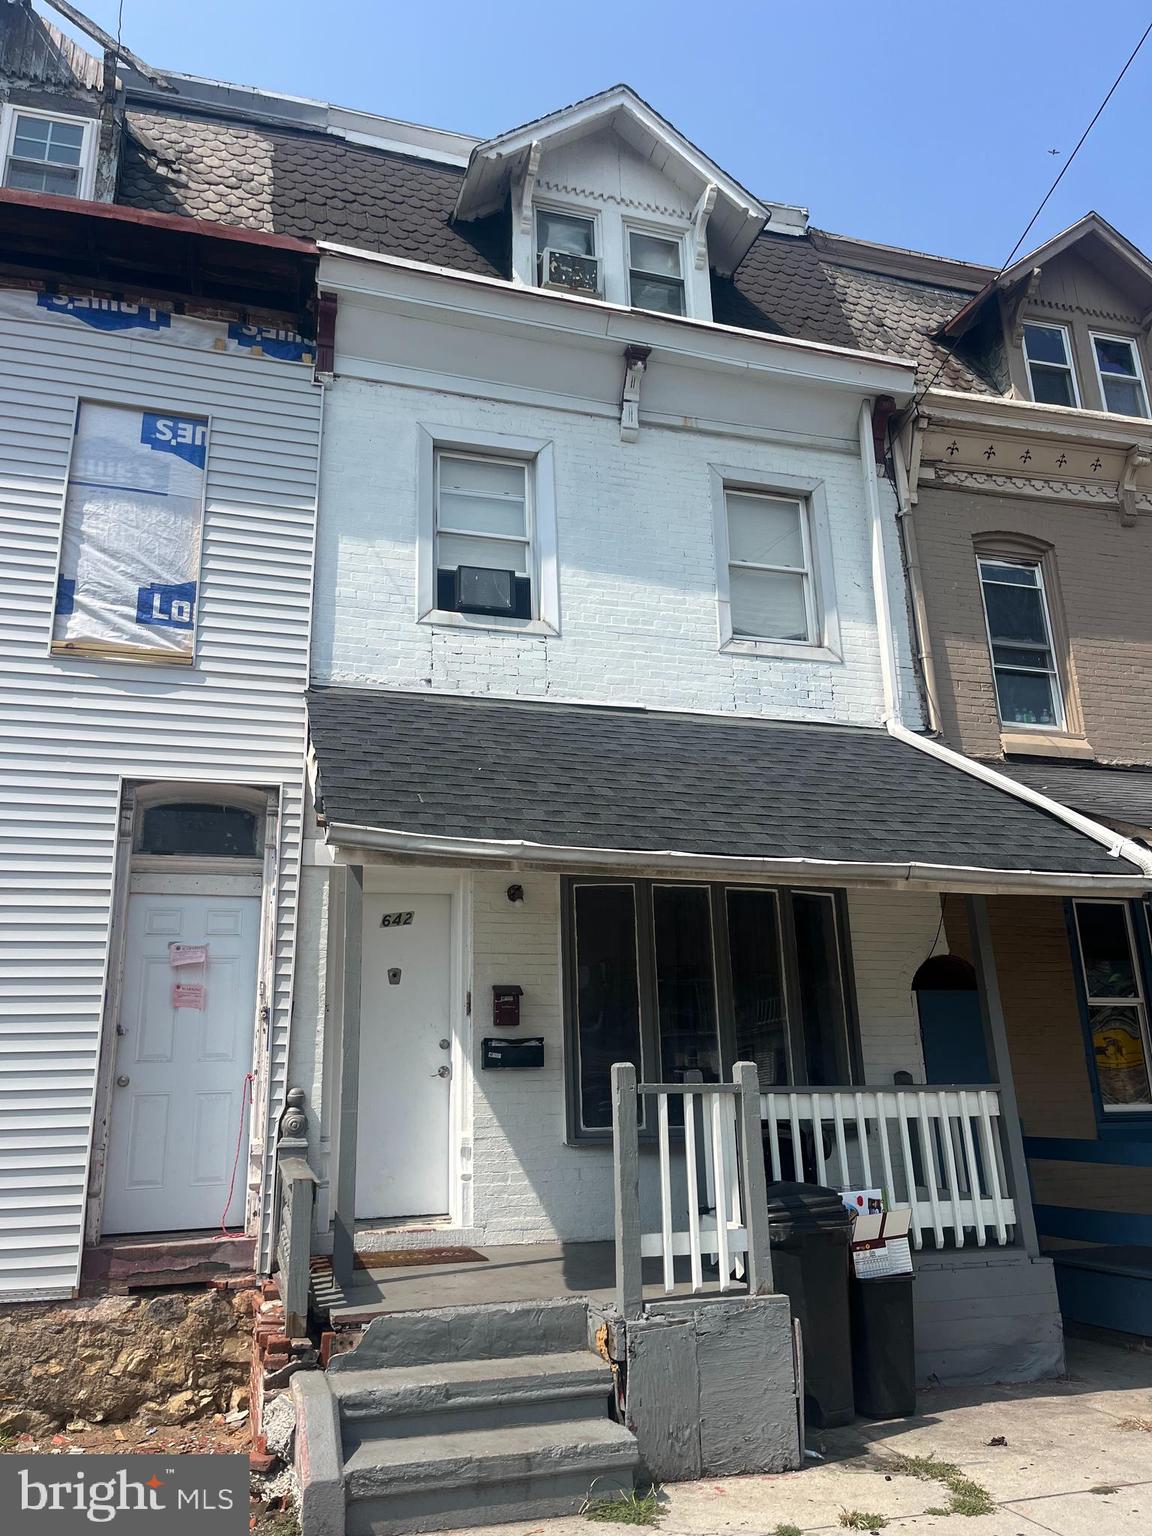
x=861, y=1520
x=787, y=1529
x=968, y=1497
x=633, y=1508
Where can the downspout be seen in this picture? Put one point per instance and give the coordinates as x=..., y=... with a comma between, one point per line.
x=922, y=635
x=1118, y=847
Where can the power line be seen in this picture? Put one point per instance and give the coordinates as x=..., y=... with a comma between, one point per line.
x=1064, y=169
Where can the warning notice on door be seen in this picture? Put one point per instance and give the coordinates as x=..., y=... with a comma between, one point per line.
x=187, y=995
x=187, y=954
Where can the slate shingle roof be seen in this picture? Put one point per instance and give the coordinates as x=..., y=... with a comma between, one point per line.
x=322, y=187
x=588, y=777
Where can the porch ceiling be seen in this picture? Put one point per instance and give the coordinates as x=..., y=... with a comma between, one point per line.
x=447, y=776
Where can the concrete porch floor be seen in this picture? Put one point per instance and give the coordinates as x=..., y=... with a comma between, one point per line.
x=524, y=1272
x=1077, y=1463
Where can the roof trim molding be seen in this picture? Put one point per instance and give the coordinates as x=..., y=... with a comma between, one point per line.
x=500, y=163
x=934, y=877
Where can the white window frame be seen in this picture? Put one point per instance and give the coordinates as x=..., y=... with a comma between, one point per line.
x=824, y=616
x=543, y=563
x=86, y=180
x=1138, y=377
x=1061, y=724
x=1137, y=1001
x=1051, y=325
x=675, y=237
x=567, y=211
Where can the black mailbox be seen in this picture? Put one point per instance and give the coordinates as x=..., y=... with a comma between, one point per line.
x=502, y=1052
x=506, y=1006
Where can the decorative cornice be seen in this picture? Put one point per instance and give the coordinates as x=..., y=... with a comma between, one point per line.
x=1071, y=491
x=598, y=195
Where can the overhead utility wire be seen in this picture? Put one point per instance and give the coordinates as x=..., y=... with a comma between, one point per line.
x=1064, y=169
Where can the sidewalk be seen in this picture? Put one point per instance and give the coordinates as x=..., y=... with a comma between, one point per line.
x=1077, y=1459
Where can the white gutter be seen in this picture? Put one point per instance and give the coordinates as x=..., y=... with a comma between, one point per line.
x=517, y=852
x=1117, y=845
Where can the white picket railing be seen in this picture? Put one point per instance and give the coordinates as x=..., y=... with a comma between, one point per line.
x=711, y=1200
x=939, y=1151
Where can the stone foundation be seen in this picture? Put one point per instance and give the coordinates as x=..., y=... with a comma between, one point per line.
x=171, y=1356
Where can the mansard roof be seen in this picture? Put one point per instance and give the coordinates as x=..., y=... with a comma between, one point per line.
x=319, y=185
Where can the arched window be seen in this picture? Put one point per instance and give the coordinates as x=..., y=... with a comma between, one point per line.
x=199, y=828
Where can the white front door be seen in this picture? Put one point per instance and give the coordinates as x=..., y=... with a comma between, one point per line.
x=178, y=1101
x=405, y=1057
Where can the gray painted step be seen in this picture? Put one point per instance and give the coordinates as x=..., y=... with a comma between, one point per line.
x=484, y=1477
x=449, y=1334
x=470, y=1394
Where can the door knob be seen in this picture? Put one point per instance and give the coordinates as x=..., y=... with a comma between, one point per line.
x=122, y=1081
x=444, y=1071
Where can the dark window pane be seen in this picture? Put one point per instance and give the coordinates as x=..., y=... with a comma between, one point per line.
x=212, y=831
x=685, y=985
x=821, y=989
x=24, y=177
x=664, y=294
x=757, y=992
x=1109, y=970
x=1121, y=1057
x=607, y=993
x=1015, y=613
x=1021, y=656
x=564, y=232
x=1025, y=698
x=1124, y=396
x=1116, y=357
x=1052, y=386
x=1045, y=344
x=1014, y=575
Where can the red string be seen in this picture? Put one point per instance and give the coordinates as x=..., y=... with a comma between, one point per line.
x=245, y=1103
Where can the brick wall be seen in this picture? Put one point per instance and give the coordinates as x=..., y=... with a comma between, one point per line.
x=1103, y=575
x=893, y=933
x=637, y=567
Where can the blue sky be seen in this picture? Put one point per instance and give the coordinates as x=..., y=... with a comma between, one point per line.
x=926, y=125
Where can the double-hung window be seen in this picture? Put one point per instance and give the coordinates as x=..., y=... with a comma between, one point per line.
x=770, y=587
x=1051, y=375
x=1121, y=381
x=566, y=252
x=47, y=154
x=655, y=273
x=1020, y=639
x=1110, y=971
x=483, y=535
x=685, y=979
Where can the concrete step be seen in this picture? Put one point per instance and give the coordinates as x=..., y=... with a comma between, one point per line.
x=449, y=1334
x=470, y=1394
x=484, y=1476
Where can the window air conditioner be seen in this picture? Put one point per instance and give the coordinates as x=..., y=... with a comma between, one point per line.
x=481, y=590
x=570, y=273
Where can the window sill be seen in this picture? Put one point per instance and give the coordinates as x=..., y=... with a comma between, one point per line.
x=1045, y=744
x=444, y=618
x=786, y=649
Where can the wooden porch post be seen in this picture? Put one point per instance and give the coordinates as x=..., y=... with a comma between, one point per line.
x=992, y=1009
x=626, y=1190
x=755, y=1182
x=348, y=892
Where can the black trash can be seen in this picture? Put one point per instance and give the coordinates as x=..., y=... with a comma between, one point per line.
x=810, y=1229
x=883, y=1347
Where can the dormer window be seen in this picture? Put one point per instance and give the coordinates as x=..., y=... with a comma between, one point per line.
x=566, y=252
x=43, y=152
x=1050, y=371
x=1118, y=369
x=655, y=273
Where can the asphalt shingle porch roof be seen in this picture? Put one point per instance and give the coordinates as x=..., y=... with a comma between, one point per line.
x=582, y=776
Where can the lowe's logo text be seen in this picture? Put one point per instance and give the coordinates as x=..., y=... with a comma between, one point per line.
x=182, y=435
x=106, y=314
x=167, y=607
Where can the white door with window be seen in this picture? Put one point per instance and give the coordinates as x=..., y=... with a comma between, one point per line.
x=405, y=1057
x=179, y=1121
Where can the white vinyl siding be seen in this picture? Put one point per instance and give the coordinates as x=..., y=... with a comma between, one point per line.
x=76, y=728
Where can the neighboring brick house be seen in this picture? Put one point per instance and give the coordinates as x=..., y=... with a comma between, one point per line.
x=1027, y=516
